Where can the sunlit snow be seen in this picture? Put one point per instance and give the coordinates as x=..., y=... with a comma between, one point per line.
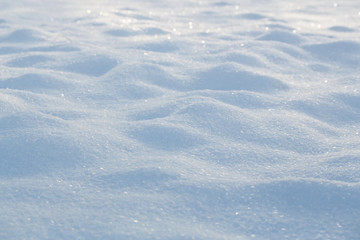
x=180, y=119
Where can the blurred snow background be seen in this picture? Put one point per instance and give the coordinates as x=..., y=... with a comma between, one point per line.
x=179, y=119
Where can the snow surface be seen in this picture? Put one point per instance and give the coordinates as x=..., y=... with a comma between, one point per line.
x=179, y=119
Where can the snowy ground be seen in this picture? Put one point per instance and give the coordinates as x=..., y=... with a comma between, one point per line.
x=180, y=119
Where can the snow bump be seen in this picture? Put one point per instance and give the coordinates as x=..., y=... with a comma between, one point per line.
x=228, y=78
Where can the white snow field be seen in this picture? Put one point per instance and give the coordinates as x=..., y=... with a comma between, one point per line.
x=180, y=120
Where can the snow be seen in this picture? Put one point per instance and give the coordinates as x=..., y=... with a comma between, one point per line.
x=179, y=119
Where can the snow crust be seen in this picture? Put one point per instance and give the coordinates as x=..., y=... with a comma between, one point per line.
x=179, y=119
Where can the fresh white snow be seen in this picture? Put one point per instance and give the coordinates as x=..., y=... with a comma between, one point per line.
x=180, y=119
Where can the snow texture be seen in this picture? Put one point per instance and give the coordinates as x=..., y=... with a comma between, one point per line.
x=180, y=119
